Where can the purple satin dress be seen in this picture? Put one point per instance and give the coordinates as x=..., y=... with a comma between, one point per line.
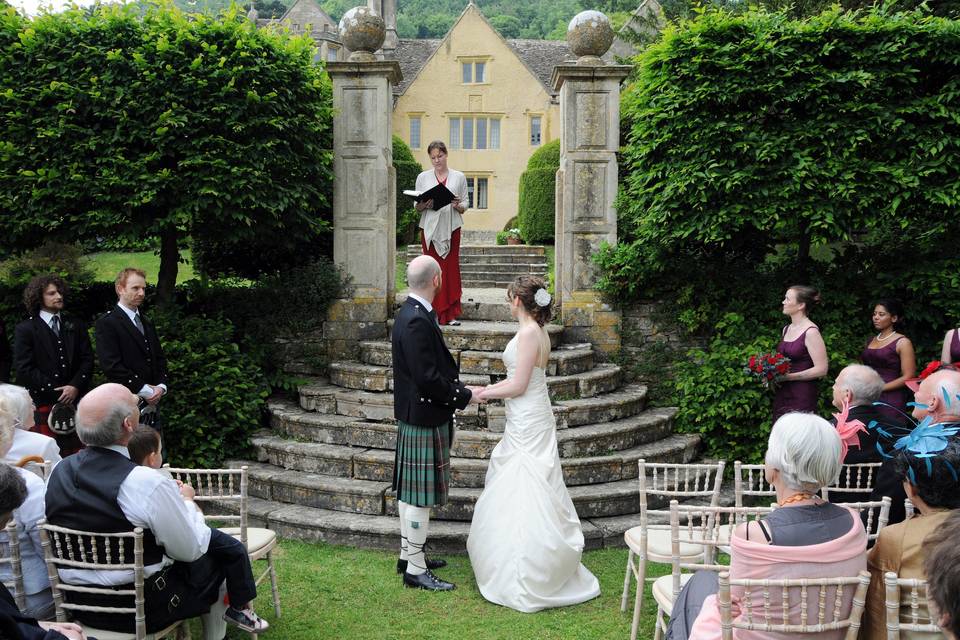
x=886, y=362
x=955, y=347
x=800, y=395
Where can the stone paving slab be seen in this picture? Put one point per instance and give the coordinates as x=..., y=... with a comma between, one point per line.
x=487, y=336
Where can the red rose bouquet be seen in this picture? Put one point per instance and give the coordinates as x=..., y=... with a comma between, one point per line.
x=768, y=368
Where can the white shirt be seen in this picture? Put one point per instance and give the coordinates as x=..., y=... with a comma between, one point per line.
x=146, y=391
x=149, y=499
x=426, y=305
x=28, y=443
x=30, y=512
x=46, y=316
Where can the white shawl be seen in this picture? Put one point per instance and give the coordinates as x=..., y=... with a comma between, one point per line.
x=438, y=226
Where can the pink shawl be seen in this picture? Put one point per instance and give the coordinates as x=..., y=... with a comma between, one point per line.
x=844, y=557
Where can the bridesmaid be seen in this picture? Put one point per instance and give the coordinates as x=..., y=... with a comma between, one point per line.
x=891, y=354
x=951, y=348
x=802, y=343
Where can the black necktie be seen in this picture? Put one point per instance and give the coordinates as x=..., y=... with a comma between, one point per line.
x=55, y=325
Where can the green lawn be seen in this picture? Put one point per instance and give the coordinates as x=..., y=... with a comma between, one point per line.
x=342, y=593
x=107, y=264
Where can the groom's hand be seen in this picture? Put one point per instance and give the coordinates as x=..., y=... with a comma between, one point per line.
x=475, y=395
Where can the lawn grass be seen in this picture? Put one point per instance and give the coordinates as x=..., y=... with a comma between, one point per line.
x=106, y=264
x=338, y=592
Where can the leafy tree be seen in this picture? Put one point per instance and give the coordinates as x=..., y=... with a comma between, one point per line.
x=508, y=26
x=155, y=124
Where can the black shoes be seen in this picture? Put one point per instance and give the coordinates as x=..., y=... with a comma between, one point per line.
x=431, y=565
x=427, y=581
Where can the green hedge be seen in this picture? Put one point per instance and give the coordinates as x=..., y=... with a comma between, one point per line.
x=407, y=171
x=538, y=195
x=763, y=152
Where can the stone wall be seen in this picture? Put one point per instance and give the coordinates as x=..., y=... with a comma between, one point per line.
x=651, y=341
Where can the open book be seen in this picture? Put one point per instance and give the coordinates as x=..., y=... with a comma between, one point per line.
x=440, y=195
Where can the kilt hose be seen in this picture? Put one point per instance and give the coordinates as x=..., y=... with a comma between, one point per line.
x=422, y=464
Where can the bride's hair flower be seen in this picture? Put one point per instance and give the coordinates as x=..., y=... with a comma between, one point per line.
x=542, y=297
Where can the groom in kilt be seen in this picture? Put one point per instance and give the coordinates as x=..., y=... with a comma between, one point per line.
x=426, y=392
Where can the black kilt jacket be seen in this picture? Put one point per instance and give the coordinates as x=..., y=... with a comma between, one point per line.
x=426, y=378
x=127, y=357
x=5, y=355
x=43, y=361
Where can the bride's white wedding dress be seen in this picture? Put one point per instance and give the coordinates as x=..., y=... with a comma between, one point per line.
x=525, y=540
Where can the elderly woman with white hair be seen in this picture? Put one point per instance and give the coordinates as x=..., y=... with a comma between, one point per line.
x=39, y=599
x=805, y=537
x=25, y=442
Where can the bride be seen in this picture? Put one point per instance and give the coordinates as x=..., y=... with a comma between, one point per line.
x=525, y=540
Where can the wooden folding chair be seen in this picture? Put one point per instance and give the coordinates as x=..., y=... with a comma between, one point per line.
x=854, y=478
x=917, y=621
x=765, y=605
x=712, y=527
x=219, y=487
x=749, y=481
x=877, y=512
x=650, y=542
x=75, y=549
x=10, y=555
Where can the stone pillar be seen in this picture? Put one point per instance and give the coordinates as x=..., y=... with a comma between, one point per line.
x=364, y=188
x=587, y=179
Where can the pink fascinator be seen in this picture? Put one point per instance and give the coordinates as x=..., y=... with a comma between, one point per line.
x=848, y=430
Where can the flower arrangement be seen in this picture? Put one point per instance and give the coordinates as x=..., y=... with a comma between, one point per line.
x=768, y=368
x=513, y=236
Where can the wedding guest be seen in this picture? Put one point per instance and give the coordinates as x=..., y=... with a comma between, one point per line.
x=15, y=624
x=805, y=538
x=26, y=442
x=440, y=237
x=942, y=569
x=930, y=483
x=36, y=585
x=858, y=386
x=802, y=343
x=5, y=356
x=950, y=354
x=891, y=354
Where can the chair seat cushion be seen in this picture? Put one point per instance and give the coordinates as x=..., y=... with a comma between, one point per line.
x=258, y=539
x=662, y=590
x=659, y=544
x=101, y=634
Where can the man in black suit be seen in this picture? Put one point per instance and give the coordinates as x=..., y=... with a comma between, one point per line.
x=5, y=357
x=426, y=392
x=128, y=348
x=52, y=355
x=860, y=386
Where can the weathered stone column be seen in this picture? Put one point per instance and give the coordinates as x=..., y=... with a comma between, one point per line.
x=587, y=179
x=364, y=188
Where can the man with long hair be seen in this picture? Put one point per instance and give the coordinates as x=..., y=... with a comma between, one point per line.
x=52, y=356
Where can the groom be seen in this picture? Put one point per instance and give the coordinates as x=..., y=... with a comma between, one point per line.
x=426, y=392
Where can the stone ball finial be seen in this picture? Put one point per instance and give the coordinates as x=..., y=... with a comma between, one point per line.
x=590, y=36
x=362, y=31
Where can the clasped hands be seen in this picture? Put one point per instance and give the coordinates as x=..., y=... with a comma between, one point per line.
x=428, y=204
x=477, y=396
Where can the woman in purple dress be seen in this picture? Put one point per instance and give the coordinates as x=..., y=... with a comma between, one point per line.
x=802, y=343
x=891, y=354
x=951, y=347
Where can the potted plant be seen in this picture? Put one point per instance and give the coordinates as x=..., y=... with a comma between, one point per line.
x=513, y=236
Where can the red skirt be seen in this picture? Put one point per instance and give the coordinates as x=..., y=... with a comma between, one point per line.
x=447, y=301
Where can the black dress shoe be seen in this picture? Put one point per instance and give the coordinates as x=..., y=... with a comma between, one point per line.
x=439, y=563
x=427, y=581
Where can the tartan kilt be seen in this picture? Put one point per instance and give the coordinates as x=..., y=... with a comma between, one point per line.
x=421, y=469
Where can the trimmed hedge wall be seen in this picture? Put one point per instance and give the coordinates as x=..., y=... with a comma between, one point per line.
x=407, y=171
x=538, y=196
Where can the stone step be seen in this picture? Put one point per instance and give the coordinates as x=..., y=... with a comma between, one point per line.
x=366, y=377
x=495, y=270
x=486, y=282
x=487, y=336
x=414, y=250
x=377, y=464
x=562, y=362
x=504, y=259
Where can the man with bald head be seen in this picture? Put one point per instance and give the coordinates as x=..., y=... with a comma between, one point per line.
x=938, y=396
x=100, y=489
x=426, y=392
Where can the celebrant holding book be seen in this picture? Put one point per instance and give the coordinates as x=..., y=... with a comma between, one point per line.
x=440, y=236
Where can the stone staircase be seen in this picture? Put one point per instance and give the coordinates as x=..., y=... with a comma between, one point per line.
x=486, y=266
x=323, y=470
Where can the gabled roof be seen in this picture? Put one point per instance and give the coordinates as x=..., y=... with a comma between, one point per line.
x=312, y=9
x=541, y=56
x=412, y=56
